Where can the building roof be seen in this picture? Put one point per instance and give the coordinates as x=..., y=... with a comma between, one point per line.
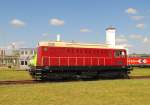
x=26, y=48
x=111, y=28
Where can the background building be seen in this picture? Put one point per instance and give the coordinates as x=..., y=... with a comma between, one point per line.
x=16, y=58
x=9, y=58
x=25, y=54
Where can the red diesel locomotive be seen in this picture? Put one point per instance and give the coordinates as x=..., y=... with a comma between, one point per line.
x=61, y=59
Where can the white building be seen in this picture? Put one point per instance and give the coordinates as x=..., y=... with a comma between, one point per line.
x=9, y=58
x=25, y=55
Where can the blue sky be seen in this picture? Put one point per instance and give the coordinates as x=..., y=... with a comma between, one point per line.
x=24, y=23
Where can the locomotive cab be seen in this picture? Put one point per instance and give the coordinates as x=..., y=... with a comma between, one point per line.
x=120, y=57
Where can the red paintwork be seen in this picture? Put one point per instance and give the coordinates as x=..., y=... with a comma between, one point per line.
x=69, y=56
x=139, y=61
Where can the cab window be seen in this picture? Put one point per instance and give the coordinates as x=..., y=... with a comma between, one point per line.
x=119, y=53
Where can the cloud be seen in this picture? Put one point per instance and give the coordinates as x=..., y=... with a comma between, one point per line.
x=136, y=43
x=121, y=39
x=122, y=42
x=17, y=23
x=137, y=17
x=131, y=11
x=56, y=22
x=146, y=40
x=85, y=30
x=2, y=32
x=45, y=34
x=136, y=37
x=143, y=39
x=140, y=26
x=126, y=45
x=133, y=42
x=16, y=45
x=143, y=47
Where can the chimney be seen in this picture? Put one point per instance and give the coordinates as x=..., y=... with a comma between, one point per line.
x=110, y=36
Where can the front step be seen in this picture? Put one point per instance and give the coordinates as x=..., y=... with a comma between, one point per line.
x=38, y=74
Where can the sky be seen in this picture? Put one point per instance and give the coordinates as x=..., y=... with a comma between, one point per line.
x=23, y=23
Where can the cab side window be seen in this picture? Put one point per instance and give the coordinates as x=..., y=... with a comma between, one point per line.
x=119, y=53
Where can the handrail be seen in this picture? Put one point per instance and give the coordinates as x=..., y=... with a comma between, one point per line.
x=99, y=59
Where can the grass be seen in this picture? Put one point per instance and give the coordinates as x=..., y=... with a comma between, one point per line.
x=14, y=75
x=140, y=72
x=102, y=92
x=11, y=74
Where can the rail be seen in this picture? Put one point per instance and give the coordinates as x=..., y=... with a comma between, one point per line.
x=77, y=60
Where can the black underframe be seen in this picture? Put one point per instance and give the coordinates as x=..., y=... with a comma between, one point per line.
x=81, y=68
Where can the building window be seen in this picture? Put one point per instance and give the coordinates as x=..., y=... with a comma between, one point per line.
x=22, y=62
x=26, y=52
x=32, y=52
x=26, y=63
x=22, y=52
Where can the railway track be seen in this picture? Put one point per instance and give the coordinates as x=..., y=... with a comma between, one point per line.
x=34, y=81
x=18, y=82
x=139, y=77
